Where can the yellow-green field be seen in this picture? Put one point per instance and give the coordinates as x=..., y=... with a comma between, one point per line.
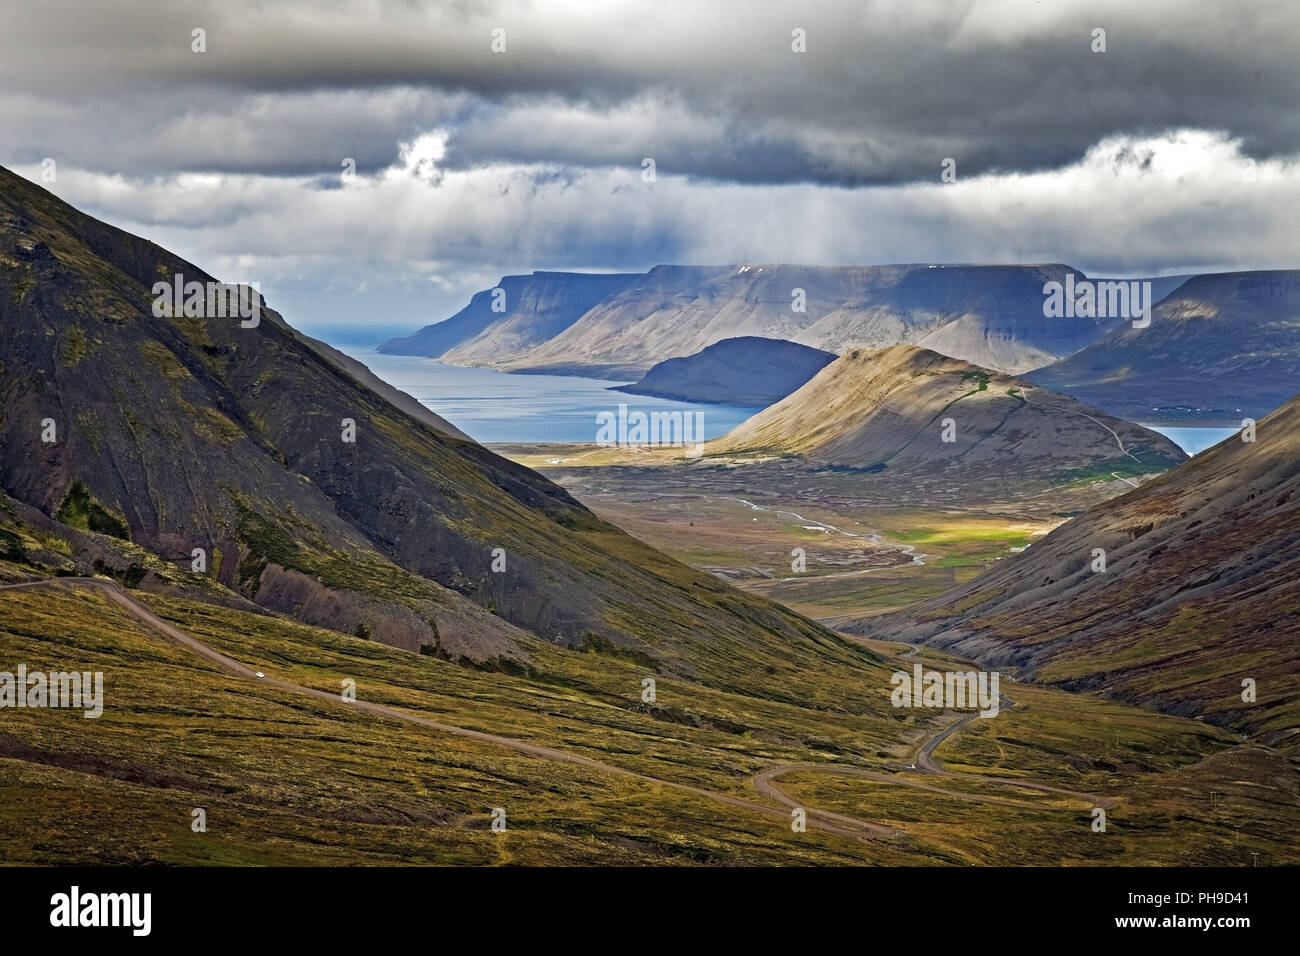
x=287, y=778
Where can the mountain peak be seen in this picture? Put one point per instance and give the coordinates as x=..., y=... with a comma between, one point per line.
x=910, y=409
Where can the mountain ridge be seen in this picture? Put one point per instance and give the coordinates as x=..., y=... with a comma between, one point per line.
x=1170, y=596
x=905, y=408
x=992, y=315
x=550, y=301
x=1221, y=347
x=176, y=433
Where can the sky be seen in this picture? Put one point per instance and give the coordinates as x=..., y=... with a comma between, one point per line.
x=372, y=164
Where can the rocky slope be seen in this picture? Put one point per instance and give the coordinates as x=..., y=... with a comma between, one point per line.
x=1220, y=348
x=168, y=434
x=1198, y=592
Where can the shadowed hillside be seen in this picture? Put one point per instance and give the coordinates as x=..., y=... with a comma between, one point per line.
x=1220, y=348
x=744, y=371
x=177, y=433
x=1198, y=593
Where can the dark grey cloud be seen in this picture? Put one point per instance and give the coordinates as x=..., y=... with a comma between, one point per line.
x=884, y=93
x=1175, y=150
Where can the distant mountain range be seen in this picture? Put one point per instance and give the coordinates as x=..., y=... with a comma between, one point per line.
x=748, y=370
x=132, y=437
x=1220, y=348
x=619, y=326
x=909, y=409
x=1194, y=610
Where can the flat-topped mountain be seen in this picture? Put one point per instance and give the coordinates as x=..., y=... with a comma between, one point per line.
x=1221, y=348
x=990, y=315
x=1194, y=610
x=908, y=409
x=518, y=313
x=743, y=371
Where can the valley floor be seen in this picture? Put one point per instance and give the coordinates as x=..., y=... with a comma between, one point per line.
x=872, y=543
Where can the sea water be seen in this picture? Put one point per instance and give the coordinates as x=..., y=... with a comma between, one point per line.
x=1194, y=439
x=492, y=406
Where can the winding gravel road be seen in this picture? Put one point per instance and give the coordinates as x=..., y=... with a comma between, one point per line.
x=833, y=823
x=764, y=782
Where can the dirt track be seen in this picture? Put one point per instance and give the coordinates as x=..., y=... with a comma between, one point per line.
x=764, y=781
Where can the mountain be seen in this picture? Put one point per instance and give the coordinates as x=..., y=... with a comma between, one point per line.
x=622, y=325
x=170, y=432
x=1221, y=348
x=743, y=371
x=530, y=310
x=675, y=311
x=135, y=432
x=887, y=409
x=990, y=315
x=1161, y=286
x=1198, y=593
x=407, y=403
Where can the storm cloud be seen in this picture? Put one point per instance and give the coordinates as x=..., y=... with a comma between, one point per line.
x=1174, y=149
